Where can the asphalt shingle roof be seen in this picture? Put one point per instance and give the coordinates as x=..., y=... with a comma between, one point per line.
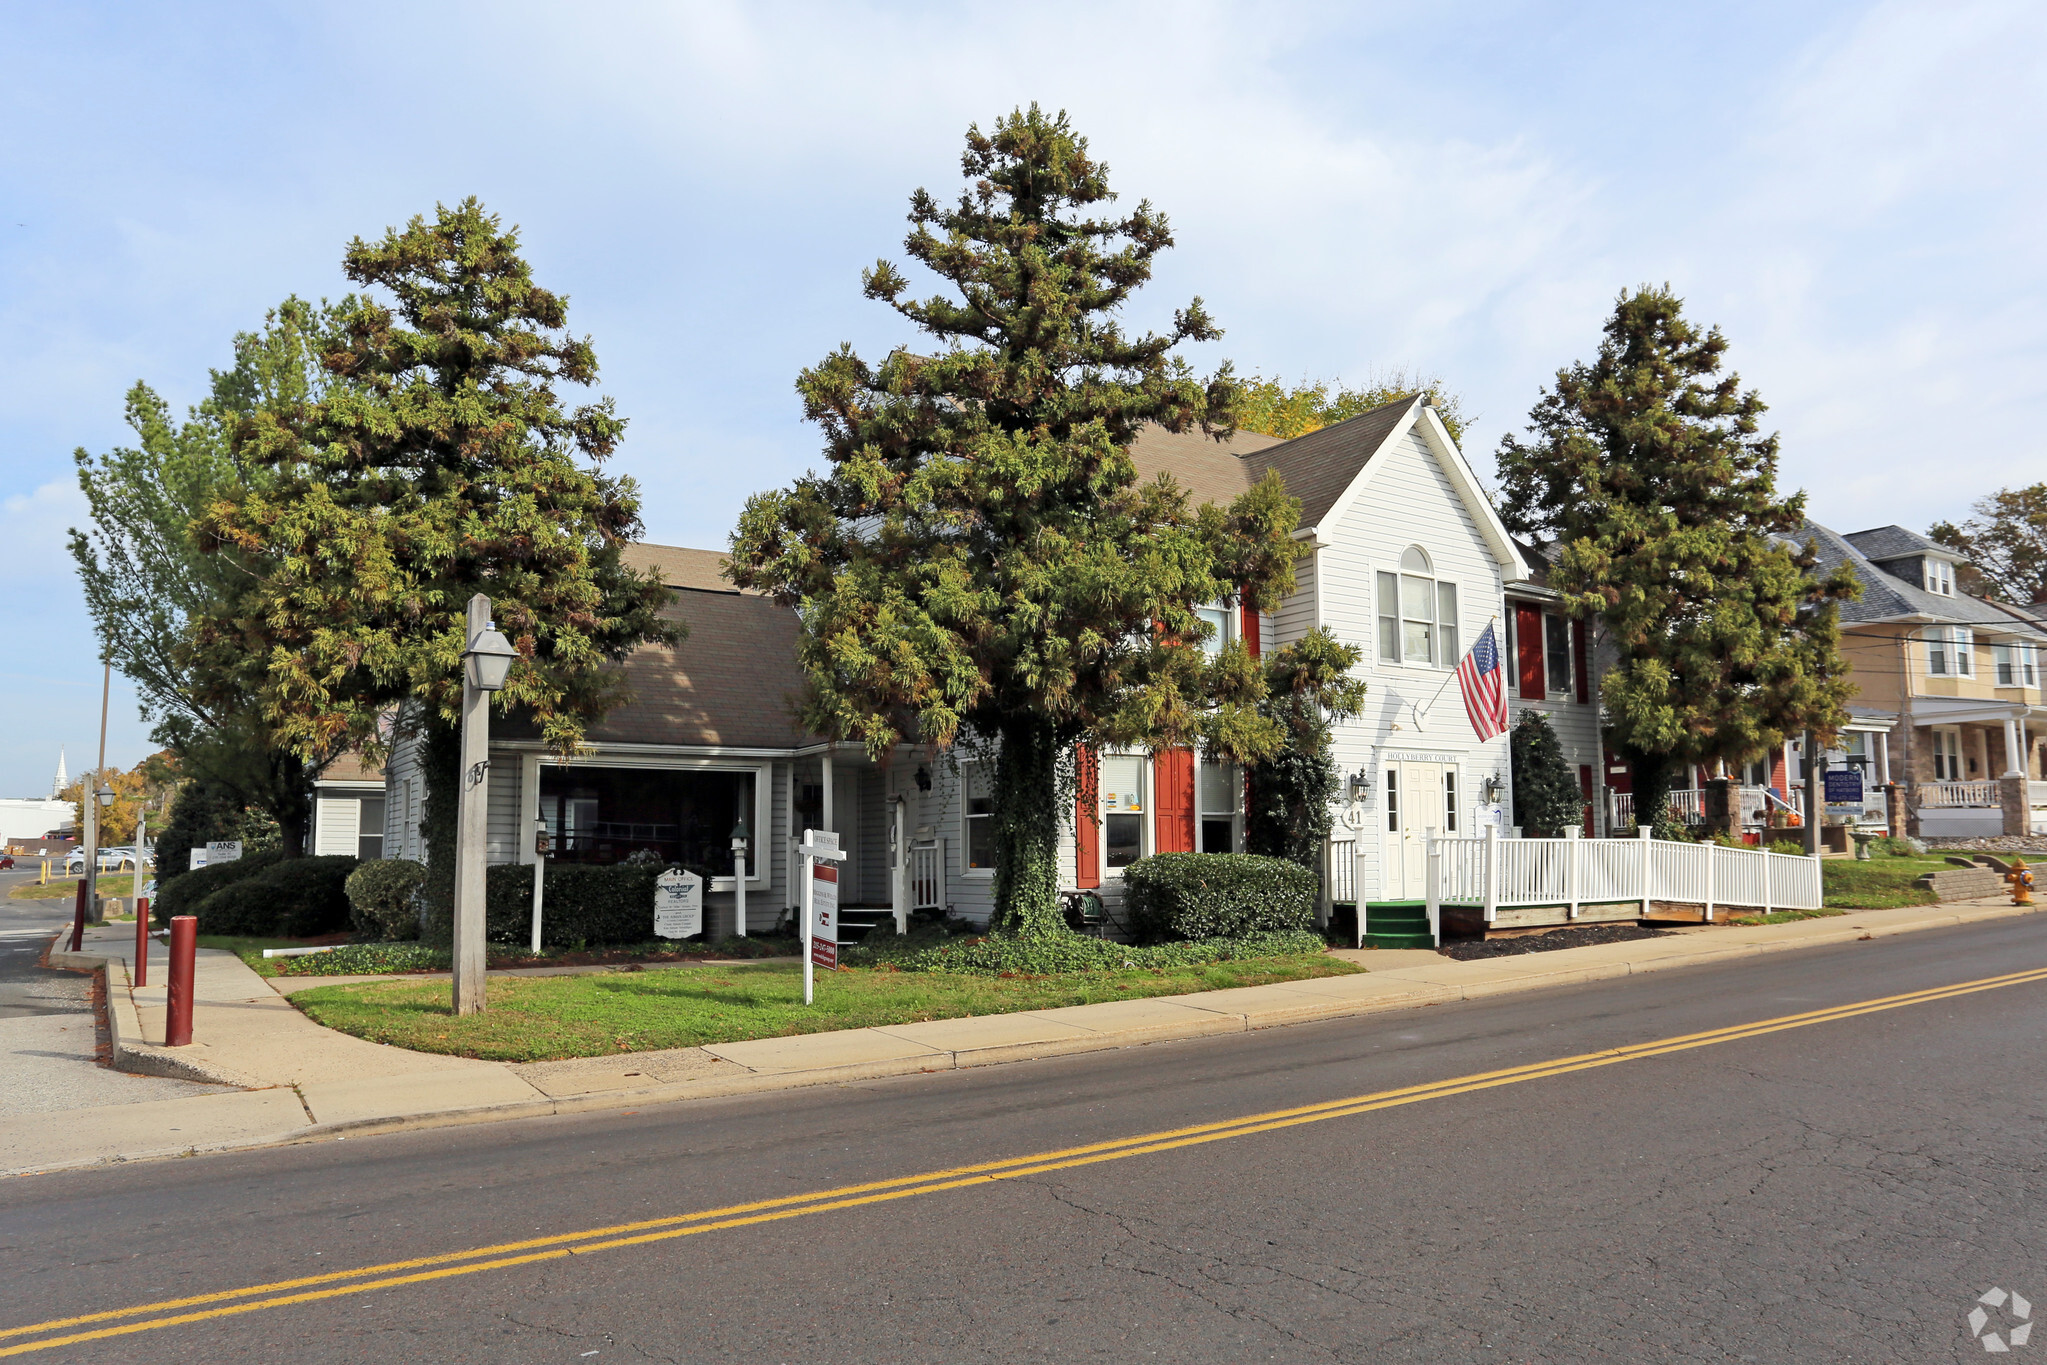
x=1891, y=542
x=1316, y=468
x=1885, y=597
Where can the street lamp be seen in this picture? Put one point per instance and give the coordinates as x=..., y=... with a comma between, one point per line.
x=540, y=842
x=105, y=795
x=739, y=842
x=484, y=665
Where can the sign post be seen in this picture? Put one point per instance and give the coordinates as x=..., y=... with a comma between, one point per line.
x=678, y=904
x=821, y=855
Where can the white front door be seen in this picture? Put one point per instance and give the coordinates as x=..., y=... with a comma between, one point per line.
x=1417, y=810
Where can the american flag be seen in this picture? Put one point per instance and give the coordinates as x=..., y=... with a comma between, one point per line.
x=1484, y=687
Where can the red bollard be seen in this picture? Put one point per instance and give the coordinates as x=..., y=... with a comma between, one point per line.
x=177, y=1028
x=142, y=940
x=78, y=919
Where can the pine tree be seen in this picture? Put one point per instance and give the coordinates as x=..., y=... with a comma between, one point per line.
x=1647, y=469
x=439, y=465
x=1547, y=797
x=980, y=559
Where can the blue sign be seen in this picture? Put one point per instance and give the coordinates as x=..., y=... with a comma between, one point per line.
x=1844, y=787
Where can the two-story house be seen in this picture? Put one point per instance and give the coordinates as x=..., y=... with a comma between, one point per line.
x=1969, y=750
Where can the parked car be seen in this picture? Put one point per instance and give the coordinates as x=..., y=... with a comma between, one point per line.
x=110, y=860
x=6, y=862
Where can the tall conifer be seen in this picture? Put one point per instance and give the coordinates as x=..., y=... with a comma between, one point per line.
x=980, y=557
x=1647, y=468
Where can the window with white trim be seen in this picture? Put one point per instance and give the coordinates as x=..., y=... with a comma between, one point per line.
x=1392, y=798
x=1950, y=651
x=1449, y=800
x=2016, y=665
x=1219, y=796
x=1417, y=614
x=1556, y=636
x=1122, y=784
x=977, y=777
x=1217, y=616
x=1940, y=577
x=1947, y=755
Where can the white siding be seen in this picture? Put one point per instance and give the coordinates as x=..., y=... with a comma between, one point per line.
x=1296, y=614
x=1576, y=723
x=1408, y=499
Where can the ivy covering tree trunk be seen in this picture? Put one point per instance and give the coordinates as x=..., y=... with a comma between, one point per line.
x=1647, y=469
x=980, y=560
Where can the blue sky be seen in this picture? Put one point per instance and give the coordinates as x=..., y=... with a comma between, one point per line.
x=1852, y=191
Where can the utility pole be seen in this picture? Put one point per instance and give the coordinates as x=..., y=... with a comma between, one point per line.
x=90, y=800
x=1814, y=776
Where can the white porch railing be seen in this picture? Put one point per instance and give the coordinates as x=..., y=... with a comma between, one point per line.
x=1491, y=872
x=1341, y=875
x=927, y=876
x=1953, y=795
x=1688, y=804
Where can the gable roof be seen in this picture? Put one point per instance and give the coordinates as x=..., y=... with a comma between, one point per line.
x=1889, y=598
x=1893, y=542
x=729, y=685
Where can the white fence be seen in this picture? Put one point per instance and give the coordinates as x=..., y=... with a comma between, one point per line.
x=1688, y=805
x=927, y=876
x=1491, y=872
x=1957, y=795
x=1340, y=875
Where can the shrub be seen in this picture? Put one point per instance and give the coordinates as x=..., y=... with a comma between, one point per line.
x=383, y=898
x=583, y=905
x=1216, y=895
x=1049, y=954
x=296, y=898
x=1791, y=846
x=1547, y=797
x=366, y=959
x=1898, y=847
x=181, y=897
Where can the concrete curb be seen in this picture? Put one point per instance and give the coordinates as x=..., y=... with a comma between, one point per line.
x=1207, y=1014
x=124, y=1028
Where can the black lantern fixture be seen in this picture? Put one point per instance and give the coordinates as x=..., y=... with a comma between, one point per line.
x=923, y=778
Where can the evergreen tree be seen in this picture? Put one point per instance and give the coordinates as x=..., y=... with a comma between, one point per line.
x=1647, y=469
x=1308, y=687
x=1547, y=797
x=981, y=559
x=439, y=465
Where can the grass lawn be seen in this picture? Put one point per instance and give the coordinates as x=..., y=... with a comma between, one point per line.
x=58, y=889
x=542, y=1018
x=250, y=950
x=1882, y=883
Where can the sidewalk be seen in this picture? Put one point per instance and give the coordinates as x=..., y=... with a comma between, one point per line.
x=300, y=1081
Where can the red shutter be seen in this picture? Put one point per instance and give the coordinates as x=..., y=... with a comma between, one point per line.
x=1087, y=827
x=1528, y=652
x=1585, y=786
x=1578, y=660
x=1250, y=630
x=1172, y=780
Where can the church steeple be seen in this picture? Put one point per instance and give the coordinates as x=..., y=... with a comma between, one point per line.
x=63, y=778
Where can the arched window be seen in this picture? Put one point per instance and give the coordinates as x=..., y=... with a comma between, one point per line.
x=1417, y=613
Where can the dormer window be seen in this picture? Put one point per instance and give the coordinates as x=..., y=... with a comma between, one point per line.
x=1940, y=577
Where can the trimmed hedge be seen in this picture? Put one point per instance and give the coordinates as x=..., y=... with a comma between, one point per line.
x=180, y=897
x=584, y=905
x=1052, y=954
x=297, y=898
x=1173, y=896
x=383, y=899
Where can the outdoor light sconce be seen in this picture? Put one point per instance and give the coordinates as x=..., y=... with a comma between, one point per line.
x=923, y=778
x=540, y=839
x=1356, y=784
x=1489, y=791
x=488, y=659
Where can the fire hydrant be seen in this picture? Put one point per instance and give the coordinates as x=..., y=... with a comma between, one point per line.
x=2021, y=879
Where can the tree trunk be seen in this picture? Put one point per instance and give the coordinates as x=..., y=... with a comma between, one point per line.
x=1027, y=831
x=1651, y=774
x=440, y=762
x=289, y=793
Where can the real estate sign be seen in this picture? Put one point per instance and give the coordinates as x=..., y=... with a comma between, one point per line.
x=678, y=904
x=824, y=909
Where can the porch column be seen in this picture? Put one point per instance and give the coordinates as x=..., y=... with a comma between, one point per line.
x=1983, y=752
x=2014, y=756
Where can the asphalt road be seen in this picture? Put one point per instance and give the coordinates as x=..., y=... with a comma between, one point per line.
x=1838, y=1190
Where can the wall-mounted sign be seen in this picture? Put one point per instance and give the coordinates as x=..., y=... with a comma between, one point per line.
x=678, y=904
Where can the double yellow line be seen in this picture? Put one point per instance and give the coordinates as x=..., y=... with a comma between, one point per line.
x=504, y=1255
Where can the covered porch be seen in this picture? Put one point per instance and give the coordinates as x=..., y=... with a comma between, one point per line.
x=1978, y=769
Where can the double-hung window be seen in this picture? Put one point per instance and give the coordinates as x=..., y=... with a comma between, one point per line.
x=1217, y=617
x=1947, y=755
x=1122, y=783
x=1417, y=614
x=2016, y=665
x=1219, y=792
x=1940, y=577
x=1950, y=652
x=978, y=778
x=1556, y=635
